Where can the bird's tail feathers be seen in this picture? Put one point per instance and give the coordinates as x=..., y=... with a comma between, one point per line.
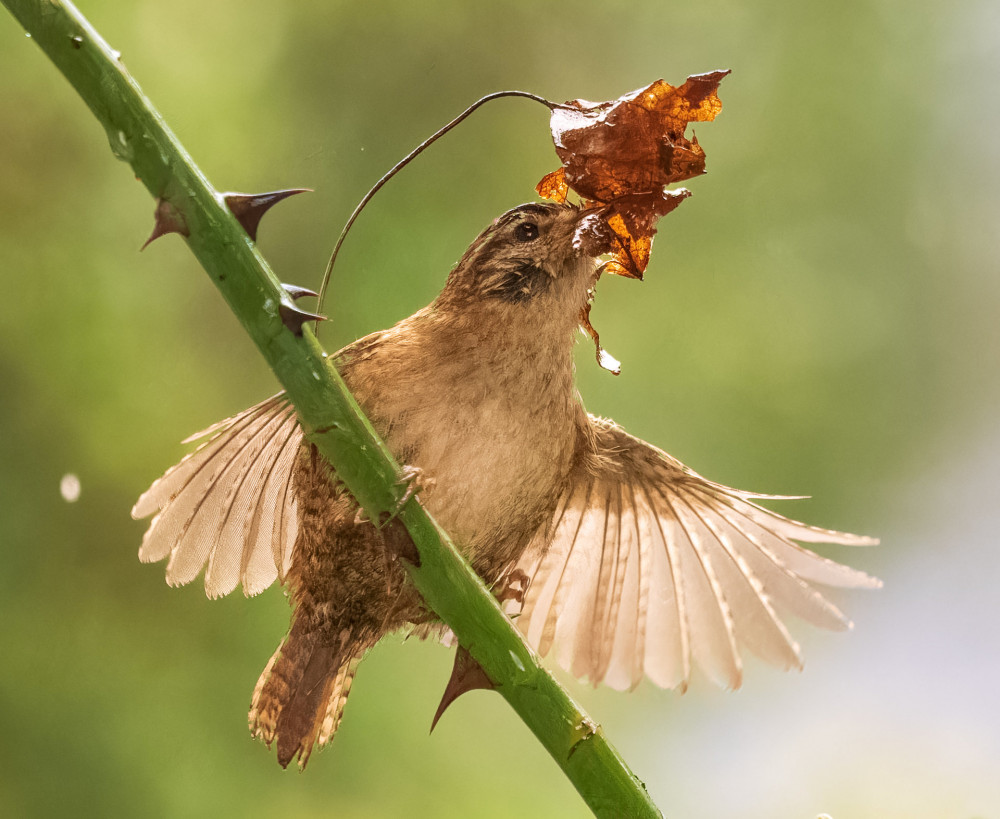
x=300, y=696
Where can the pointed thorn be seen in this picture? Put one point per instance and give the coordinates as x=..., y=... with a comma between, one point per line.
x=466, y=675
x=293, y=318
x=397, y=541
x=297, y=292
x=248, y=208
x=168, y=220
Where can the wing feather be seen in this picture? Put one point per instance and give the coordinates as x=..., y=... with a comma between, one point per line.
x=713, y=640
x=667, y=660
x=647, y=568
x=757, y=624
x=229, y=506
x=240, y=490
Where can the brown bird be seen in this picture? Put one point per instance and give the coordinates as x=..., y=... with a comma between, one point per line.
x=636, y=566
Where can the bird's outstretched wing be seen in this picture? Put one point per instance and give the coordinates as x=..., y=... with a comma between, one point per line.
x=230, y=504
x=647, y=565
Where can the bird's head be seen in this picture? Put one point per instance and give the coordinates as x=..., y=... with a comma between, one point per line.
x=535, y=258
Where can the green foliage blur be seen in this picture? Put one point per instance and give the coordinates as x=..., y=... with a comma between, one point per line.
x=820, y=318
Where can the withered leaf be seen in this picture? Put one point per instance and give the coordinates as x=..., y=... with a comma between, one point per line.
x=553, y=186
x=633, y=220
x=622, y=153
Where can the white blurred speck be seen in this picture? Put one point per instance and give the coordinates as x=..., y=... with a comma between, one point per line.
x=69, y=488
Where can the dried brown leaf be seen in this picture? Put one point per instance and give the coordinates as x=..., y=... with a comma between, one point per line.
x=622, y=153
x=553, y=186
x=633, y=219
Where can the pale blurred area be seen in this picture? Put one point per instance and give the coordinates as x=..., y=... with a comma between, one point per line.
x=821, y=318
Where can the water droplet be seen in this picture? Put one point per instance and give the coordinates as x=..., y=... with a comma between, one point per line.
x=517, y=661
x=69, y=488
x=269, y=307
x=608, y=361
x=120, y=145
x=28, y=34
x=77, y=41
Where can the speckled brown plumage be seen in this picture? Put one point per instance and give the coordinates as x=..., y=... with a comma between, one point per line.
x=348, y=590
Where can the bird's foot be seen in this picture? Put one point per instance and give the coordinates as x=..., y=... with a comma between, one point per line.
x=412, y=481
x=513, y=587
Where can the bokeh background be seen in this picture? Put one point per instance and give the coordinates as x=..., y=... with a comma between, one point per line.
x=822, y=318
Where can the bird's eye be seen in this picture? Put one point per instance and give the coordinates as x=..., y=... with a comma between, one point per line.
x=526, y=232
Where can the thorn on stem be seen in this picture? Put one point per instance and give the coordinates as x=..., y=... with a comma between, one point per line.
x=396, y=540
x=466, y=675
x=293, y=318
x=248, y=208
x=167, y=220
x=297, y=292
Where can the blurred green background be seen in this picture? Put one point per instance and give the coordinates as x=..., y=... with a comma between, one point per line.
x=821, y=318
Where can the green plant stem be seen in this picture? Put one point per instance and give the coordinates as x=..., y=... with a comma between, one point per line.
x=329, y=414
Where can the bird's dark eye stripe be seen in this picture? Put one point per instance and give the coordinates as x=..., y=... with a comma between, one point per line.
x=518, y=284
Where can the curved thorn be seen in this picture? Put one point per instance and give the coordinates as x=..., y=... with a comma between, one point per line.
x=466, y=675
x=297, y=292
x=167, y=220
x=248, y=208
x=293, y=318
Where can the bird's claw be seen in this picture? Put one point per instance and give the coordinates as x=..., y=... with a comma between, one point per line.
x=514, y=586
x=412, y=481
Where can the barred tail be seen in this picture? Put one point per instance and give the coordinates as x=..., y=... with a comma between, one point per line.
x=300, y=696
